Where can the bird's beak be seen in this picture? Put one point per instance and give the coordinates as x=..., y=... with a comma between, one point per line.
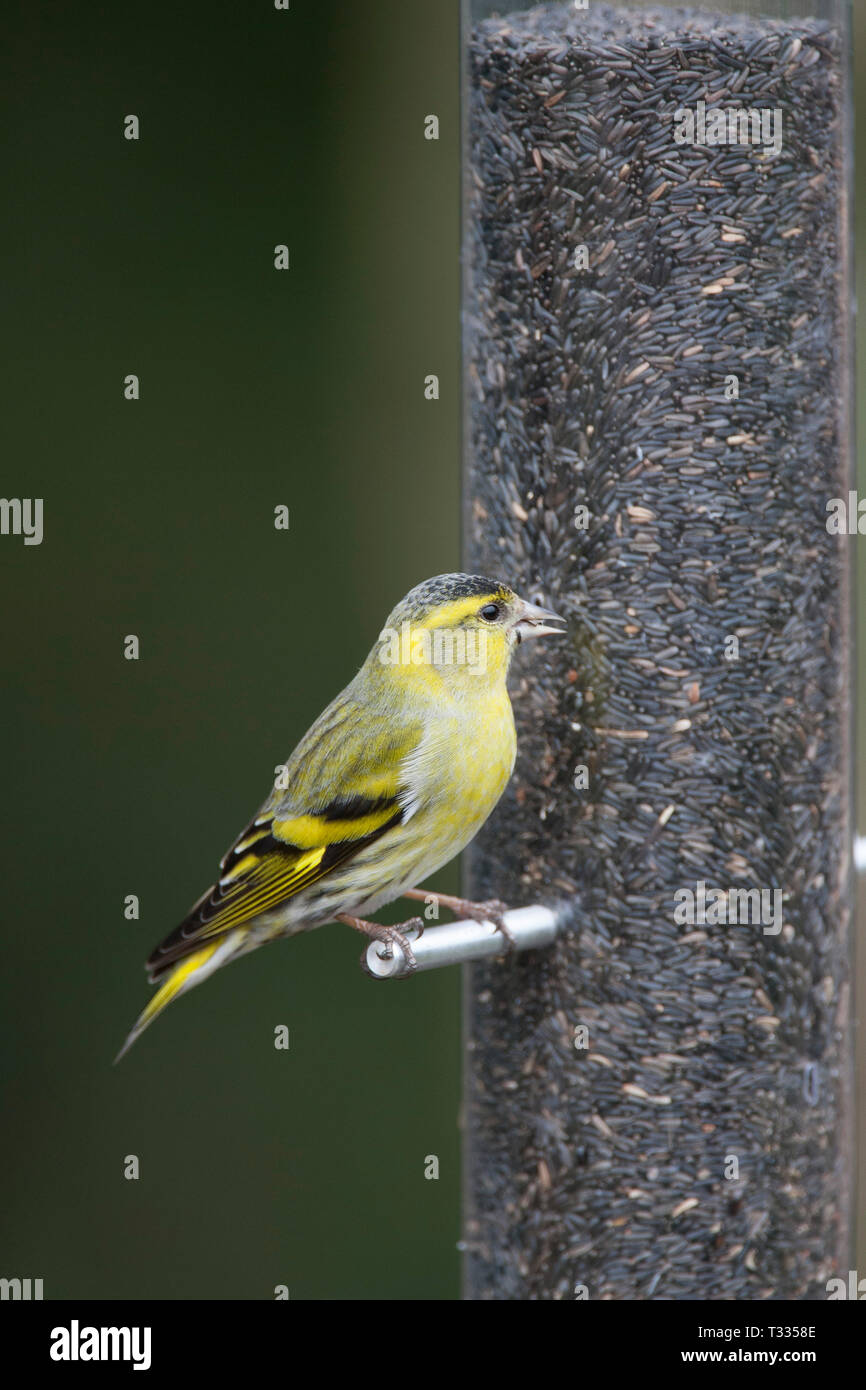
x=532, y=621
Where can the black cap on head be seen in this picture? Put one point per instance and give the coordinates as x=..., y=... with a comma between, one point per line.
x=444, y=588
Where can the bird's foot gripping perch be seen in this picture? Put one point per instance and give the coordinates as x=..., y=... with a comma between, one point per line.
x=389, y=936
x=492, y=911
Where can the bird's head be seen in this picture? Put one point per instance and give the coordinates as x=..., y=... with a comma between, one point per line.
x=458, y=630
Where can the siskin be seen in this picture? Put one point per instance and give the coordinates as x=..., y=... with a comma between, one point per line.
x=393, y=779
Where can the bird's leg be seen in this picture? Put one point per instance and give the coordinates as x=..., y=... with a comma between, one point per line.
x=491, y=911
x=388, y=935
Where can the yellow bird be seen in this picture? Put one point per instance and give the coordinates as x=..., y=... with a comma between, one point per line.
x=393, y=779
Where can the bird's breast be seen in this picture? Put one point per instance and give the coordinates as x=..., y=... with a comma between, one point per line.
x=462, y=765
x=452, y=780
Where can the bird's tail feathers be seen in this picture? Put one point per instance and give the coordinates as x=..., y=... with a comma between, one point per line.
x=189, y=972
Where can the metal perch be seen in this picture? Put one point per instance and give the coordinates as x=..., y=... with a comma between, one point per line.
x=455, y=943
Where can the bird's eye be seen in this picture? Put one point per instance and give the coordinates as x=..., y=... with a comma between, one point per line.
x=490, y=612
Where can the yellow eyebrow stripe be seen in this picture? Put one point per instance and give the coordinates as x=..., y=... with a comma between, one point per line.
x=452, y=614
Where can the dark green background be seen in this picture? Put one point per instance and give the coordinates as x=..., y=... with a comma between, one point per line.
x=258, y=388
x=305, y=387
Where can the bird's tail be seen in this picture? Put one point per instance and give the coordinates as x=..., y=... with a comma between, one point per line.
x=189, y=972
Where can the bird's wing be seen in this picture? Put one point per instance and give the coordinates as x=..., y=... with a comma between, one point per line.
x=343, y=790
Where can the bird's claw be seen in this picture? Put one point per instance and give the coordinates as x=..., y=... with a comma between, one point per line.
x=491, y=911
x=389, y=936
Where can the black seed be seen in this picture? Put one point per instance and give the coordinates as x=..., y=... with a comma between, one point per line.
x=711, y=1030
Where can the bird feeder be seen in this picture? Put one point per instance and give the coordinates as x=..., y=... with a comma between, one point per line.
x=658, y=443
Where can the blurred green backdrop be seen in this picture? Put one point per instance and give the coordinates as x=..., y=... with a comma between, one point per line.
x=258, y=388
x=304, y=388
